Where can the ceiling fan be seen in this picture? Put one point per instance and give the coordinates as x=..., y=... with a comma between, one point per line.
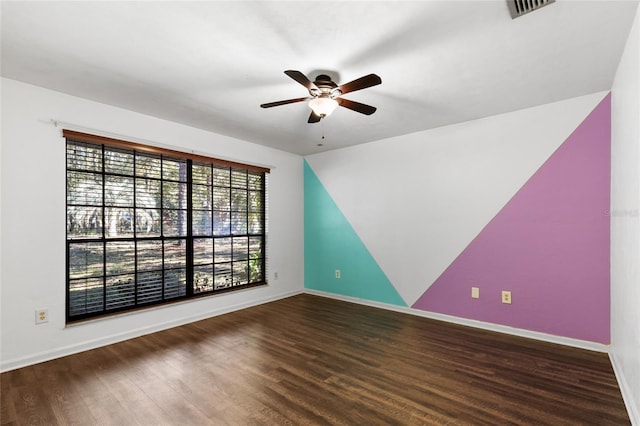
x=324, y=94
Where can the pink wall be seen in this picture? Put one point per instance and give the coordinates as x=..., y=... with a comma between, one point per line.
x=549, y=246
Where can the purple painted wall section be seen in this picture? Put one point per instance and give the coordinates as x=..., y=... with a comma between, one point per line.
x=549, y=246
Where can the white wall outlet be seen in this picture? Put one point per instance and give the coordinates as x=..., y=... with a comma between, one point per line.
x=506, y=297
x=475, y=292
x=42, y=316
x=338, y=274
x=275, y=275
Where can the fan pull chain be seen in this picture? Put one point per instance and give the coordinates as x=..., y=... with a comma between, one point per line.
x=321, y=143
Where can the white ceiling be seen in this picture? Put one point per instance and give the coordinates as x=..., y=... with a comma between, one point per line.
x=211, y=64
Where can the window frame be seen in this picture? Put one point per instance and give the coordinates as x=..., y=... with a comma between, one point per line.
x=191, y=288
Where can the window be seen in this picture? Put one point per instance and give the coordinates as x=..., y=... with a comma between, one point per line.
x=147, y=226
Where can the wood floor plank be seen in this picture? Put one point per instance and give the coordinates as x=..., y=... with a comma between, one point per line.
x=62, y=395
x=308, y=360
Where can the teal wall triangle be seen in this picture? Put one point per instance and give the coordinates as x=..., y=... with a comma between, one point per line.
x=331, y=243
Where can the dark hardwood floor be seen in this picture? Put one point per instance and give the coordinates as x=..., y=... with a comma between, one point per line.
x=308, y=360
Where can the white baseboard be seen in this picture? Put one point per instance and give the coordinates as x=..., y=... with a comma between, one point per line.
x=633, y=407
x=12, y=364
x=576, y=343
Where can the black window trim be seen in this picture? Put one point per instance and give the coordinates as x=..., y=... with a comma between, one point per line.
x=191, y=159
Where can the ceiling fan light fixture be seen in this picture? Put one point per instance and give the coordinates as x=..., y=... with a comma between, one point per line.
x=323, y=106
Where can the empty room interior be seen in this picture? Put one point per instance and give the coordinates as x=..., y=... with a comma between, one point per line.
x=355, y=212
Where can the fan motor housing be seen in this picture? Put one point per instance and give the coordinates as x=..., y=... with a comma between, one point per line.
x=323, y=81
x=326, y=86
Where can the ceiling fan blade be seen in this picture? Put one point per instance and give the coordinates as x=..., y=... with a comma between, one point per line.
x=313, y=118
x=288, y=101
x=357, y=106
x=360, y=83
x=302, y=79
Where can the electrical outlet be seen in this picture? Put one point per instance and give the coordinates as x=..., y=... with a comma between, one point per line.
x=475, y=292
x=42, y=316
x=275, y=275
x=506, y=297
x=338, y=274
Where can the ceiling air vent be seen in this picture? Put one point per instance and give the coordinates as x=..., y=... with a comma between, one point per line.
x=520, y=7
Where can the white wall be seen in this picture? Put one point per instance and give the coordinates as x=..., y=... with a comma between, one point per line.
x=625, y=223
x=33, y=222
